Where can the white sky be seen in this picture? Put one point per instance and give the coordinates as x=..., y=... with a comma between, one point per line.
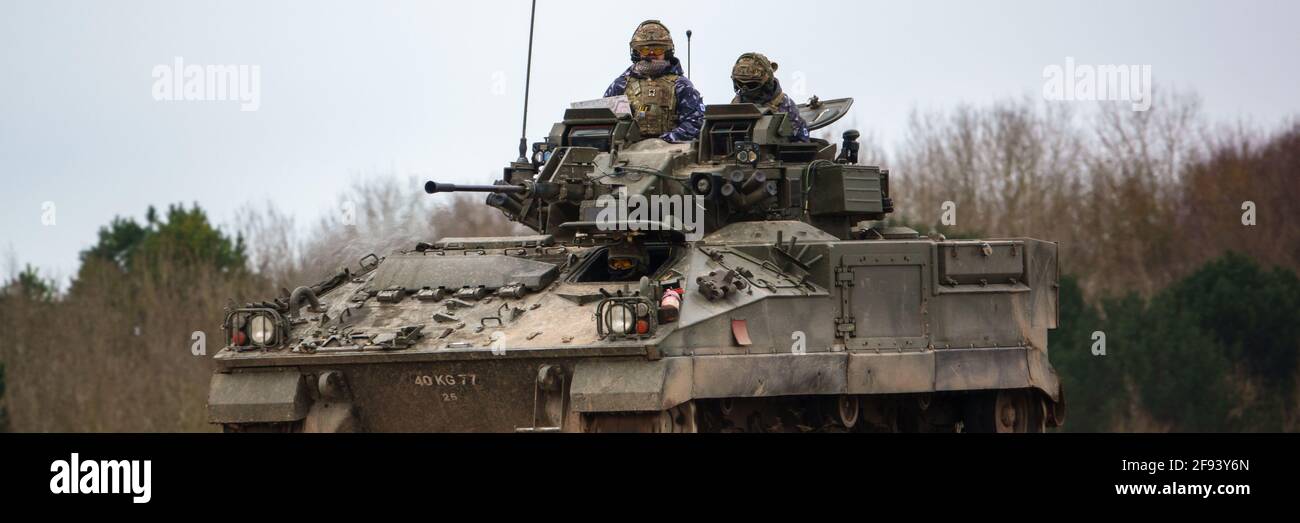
x=360, y=88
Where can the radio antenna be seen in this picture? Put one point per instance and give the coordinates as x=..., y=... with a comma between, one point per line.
x=688, y=53
x=528, y=76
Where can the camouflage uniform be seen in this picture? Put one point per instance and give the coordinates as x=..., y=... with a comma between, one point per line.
x=786, y=105
x=754, y=68
x=663, y=101
x=688, y=104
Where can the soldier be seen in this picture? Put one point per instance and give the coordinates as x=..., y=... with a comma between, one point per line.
x=754, y=79
x=627, y=260
x=663, y=100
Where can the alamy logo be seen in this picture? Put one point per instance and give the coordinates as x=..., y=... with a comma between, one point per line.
x=657, y=212
x=208, y=83
x=102, y=477
x=1090, y=83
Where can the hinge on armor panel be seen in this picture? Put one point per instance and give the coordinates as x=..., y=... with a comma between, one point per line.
x=845, y=326
x=843, y=278
x=391, y=295
x=429, y=294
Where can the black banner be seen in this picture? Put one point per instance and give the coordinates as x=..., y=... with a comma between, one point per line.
x=141, y=473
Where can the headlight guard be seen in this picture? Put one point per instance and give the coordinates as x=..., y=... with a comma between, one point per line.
x=254, y=328
x=626, y=317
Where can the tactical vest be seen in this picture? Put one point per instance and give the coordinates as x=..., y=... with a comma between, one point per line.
x=654, y=103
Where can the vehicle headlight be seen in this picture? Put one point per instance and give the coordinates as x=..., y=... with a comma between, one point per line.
x=261, y=329
x=621, y=319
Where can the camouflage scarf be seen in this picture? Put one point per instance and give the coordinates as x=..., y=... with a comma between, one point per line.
x=651, y=68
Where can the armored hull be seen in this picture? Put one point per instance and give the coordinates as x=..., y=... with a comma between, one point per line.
x=778, y=310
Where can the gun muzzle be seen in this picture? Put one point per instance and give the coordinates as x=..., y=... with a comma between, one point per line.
x=435, y=188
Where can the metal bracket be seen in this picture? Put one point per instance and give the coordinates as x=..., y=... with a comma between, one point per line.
x=845, y=324
x=550, y=381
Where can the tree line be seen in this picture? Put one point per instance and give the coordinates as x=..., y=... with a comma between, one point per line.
x=1198, y=309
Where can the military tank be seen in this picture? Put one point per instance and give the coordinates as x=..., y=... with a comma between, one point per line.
x=742, y=282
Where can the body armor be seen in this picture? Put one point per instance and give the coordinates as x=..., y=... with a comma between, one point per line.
x=654, y=103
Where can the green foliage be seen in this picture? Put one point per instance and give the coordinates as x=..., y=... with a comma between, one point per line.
x=1253, y=314
x=184, y=236
x=117, y=242
x=1094, y=386
x=1190, y=357
x=30, y=285
x=110, y=353
x=1182, y=377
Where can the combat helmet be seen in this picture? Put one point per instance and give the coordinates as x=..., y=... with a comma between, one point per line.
x=651, y=33
x=752, y=68
x=752, y=76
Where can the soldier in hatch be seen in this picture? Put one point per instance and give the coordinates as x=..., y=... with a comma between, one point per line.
x=754, y=79
x=627, y=259
x=663, y=100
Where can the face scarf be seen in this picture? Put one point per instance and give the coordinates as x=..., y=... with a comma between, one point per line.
x=651, y=68
x=762, y=95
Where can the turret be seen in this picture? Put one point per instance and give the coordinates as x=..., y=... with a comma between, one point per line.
x=744, y=167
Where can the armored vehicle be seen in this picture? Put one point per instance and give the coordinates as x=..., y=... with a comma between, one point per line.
x=741, y=282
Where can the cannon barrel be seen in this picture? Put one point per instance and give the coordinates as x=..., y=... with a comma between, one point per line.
x=435, y=187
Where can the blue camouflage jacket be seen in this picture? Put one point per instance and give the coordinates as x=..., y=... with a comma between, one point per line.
x=690, y=105
x=792, y=112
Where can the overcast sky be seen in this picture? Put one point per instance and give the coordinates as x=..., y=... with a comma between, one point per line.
x=435, y=89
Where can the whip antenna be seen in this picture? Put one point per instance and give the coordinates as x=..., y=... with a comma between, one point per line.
x=528, y=76
x=688, y=53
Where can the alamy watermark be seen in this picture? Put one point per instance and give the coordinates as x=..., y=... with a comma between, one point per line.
x=948, y=216
x=199, y=343
x=348, y=213
x=656, y=212
x=499, y=83
x=798, y=85
x=178, y=81
x=1091, y=83
x=498, y=344
x=1098, y=343
x=78, y=476
x=49, y=214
